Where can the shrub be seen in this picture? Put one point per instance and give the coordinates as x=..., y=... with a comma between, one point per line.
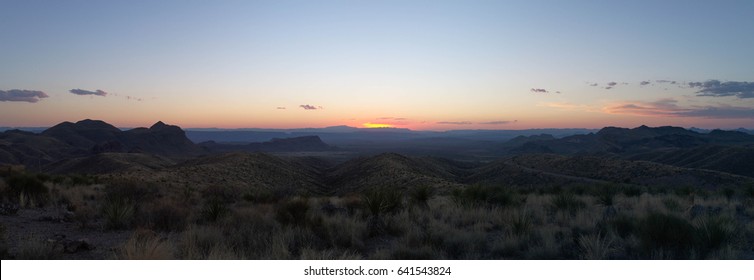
x=118, y=213
x=259, y=196
x=713, y=233
x=568, y=202
x=213, y=210
x=632, y=191
x=197, y=243
x=27, y=190
x=382, y=201
x=606, y=195
x=34, y=248
x=166, y=217
x=623, y=225
x=665, y=233
x=596, y=247
x=292, y=212
x=127, y=190
x=145, y=245
x=223, y=194
x=420, y=195
x=3, y=244
x=477, y=195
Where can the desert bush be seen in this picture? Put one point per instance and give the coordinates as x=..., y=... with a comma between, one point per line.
x=666, y=233
x=292, y=212
x=478, y=195
x=198, y=242
x=631, y=191
x=251, y=232
x=606, y=195
x=145, y=245
x=520, y=222
x=672, y=204
x=419, y=196
x=223, y=194
x=128, y=190
x=713, y=233
x=26, y=189
x=623, y=225
x=259, y=196
x=568, y=202
x=380, y=201
x=118, y=213
x=165, y=216
x=213, y=210
x=328, y=254
x=596, y=246
x=3, y=244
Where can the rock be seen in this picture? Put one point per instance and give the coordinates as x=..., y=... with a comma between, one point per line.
x=72, y=247
x=68, y=246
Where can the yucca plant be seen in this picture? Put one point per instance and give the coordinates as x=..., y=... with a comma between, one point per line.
x=118, y=213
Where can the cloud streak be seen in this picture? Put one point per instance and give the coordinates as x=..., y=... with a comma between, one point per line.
x=669, y=107
x=539, y=90
x=498, y=122
x=456, y=123
x=79, y=91
x=22, y=95
x=716, y=88
x=310, y=107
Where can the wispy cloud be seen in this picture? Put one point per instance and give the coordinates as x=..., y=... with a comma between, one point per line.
x=716, y=88
x=644, y=83
x=569, y=106
x=79, y=91
x=666, y=82
x=22, y=95
x=281, y=108
x=310, y=107
x=594, y=85
x=498, y=122
x=456, y=123
x=669, y=107
x=392, y=118
x=539, y=90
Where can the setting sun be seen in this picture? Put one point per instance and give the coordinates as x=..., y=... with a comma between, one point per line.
x=377, y=125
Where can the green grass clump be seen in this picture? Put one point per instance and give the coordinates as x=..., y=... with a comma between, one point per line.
x=381, y=201
x=118, y=213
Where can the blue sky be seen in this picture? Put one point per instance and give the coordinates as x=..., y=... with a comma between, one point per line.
x=417, y=64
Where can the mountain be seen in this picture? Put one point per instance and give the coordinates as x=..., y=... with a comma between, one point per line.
x=295, y=144
x=107, y=163
x=242, y=172
x=87, y=137
x=549, y=169
x=393, y=171
x=730, y=159
x=624, y=140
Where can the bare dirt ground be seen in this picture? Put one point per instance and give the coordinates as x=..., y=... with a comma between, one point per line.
x=66, y=238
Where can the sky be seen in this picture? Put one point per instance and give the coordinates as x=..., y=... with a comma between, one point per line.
x=423, y=65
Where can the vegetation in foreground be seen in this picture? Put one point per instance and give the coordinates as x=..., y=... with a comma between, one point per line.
x=471, y=222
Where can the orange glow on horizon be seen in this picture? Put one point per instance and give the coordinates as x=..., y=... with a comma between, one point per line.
x=377, y=125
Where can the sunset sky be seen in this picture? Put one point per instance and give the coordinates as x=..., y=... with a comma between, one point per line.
x=425, y=65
